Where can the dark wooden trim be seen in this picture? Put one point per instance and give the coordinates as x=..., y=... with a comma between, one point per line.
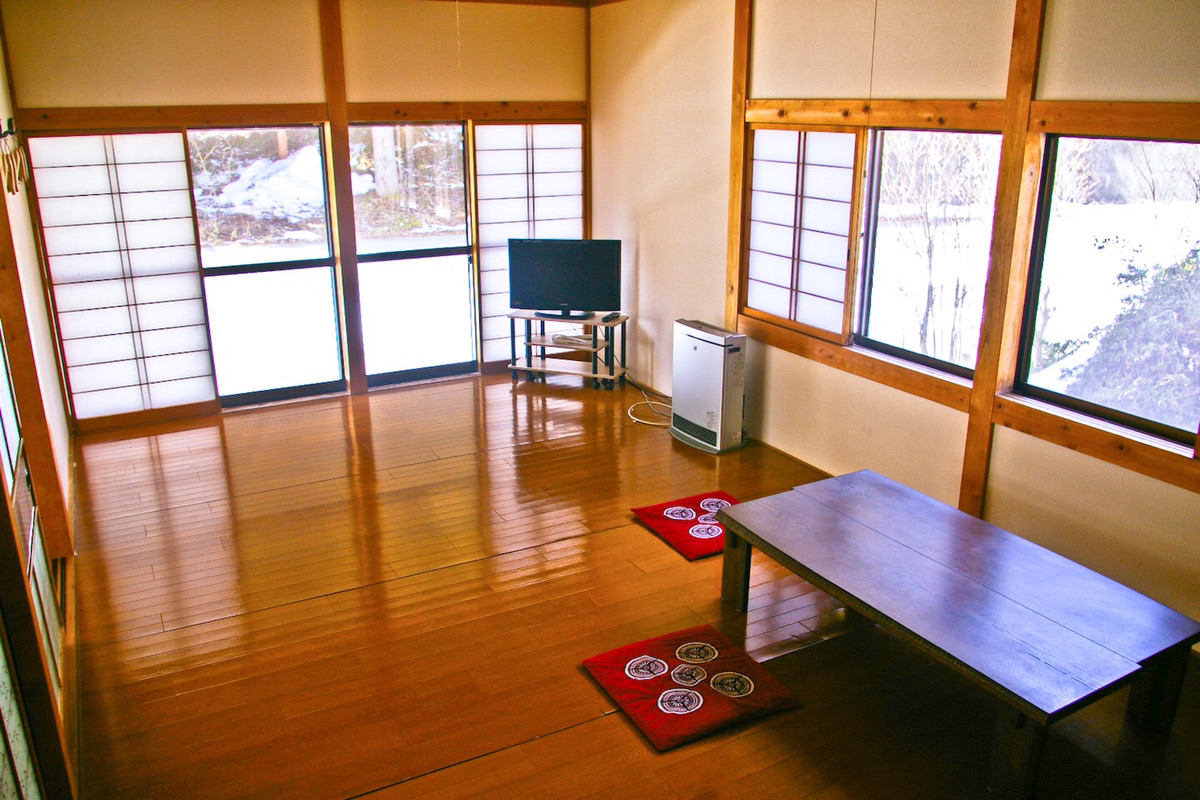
x=481, y=111
x=341, y=194
x=743, y=21
x=1008, y=267
x=1159, y=459
x=946, y=390
x=1178, y=121
x=27, y=391
x=166, y=118
x=966, y=115
x=148, y=417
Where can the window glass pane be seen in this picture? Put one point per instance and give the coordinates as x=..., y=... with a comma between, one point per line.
x=260, y=195
x=931, y=243
x=1117, y=318
x=409, y=191
x=273, y=330
x=404, y=301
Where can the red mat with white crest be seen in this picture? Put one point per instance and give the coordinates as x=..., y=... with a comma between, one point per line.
x=684, y=685
x=689, y=524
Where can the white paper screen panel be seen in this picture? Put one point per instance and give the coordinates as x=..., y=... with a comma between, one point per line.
x=121, y=247
x=800, y=203
x=530, y=185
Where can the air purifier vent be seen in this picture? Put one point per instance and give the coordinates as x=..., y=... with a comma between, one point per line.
x=692, y=429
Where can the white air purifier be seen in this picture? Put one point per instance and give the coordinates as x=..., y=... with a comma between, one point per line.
x=708, y=386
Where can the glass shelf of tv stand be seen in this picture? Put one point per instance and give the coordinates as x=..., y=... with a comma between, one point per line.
x=603, y=368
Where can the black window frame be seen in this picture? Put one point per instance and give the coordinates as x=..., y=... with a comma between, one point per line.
x=1021, y=386
x=871, y=192
x=398, y=377
x=330, y=261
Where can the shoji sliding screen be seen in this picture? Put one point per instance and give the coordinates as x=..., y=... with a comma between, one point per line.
x=121, y=245
x=529, y=185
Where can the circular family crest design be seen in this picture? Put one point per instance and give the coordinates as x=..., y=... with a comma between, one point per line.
x=705, y=531
x=732, y=684
x=643, y=668
x=696, y=652
x=714, y=504
x=688, y=674
x=679, y=701
x=679, y=512
x=707, y=519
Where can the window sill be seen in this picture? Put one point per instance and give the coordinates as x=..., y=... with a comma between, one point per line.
x=931, y=384
x=1157, y=458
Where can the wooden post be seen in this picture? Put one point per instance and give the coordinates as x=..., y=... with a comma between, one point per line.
x=742, y=22
x=1020, y=164
x=341, y=192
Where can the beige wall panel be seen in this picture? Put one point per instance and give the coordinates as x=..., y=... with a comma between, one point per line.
x=419, y=50
x=922, y=48
x=811, y=49
x=943, y=48
x=164, y=52
x=37, y=318
x=660, y=128
x=1118, y=50
x=839, y=422
x=1136, y=530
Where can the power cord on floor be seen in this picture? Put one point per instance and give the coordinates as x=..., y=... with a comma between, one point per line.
x=655, y=407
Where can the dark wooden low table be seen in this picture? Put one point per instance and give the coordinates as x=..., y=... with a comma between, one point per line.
x=1043, y=633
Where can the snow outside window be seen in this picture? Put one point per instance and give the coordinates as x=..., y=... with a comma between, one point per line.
x=802, y=188
x=410, y=217
x=262, y=211
x=1113, y=320
x=928, y=240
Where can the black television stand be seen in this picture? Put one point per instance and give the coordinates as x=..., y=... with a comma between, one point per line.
x=602, y=368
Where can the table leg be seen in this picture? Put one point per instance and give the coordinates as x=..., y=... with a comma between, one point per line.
x=1154, y=695
x=735, y=574
x=1016, y=755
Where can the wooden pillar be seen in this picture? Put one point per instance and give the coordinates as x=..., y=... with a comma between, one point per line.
x=341, y=193
x=742, y=24
x=1008, y=269
x=27, y=391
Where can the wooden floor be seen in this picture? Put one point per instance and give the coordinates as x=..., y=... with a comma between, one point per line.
x=390, y=596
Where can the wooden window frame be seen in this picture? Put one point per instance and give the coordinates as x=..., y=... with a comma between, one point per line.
x=853, y=251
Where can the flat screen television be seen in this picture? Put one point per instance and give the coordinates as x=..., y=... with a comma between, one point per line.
x=564, y=278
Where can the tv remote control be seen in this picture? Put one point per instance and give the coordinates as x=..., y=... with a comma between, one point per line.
x=610, y=316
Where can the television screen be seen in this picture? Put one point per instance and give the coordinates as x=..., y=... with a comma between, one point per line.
x=564, y=277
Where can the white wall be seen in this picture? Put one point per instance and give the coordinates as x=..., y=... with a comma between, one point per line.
x=1139, y=531
x=661, y=77
x=1117, y=50
x=37, y=319
x=890, y=49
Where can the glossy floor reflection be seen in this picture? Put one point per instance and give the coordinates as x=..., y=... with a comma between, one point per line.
x=391, y=595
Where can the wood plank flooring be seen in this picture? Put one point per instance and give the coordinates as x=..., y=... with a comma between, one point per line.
x=389, y=596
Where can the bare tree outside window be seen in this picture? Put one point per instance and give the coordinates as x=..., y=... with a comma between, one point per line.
x=930, y=244
x=409, y=191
